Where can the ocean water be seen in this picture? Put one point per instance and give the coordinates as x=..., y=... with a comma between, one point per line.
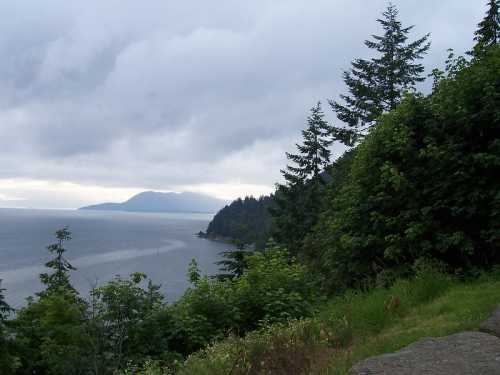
x=104, y=244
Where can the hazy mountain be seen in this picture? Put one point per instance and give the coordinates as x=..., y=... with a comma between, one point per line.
x=151, y=201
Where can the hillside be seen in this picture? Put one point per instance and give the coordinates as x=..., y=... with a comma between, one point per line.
x=151, y=201
x=244, y=220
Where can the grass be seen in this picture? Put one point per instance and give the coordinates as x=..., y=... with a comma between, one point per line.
x=462, y=307
x=352, y=327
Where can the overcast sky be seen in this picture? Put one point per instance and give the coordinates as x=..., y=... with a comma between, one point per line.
x=100, y=99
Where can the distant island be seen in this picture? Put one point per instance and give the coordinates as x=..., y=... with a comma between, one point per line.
x=152, y=201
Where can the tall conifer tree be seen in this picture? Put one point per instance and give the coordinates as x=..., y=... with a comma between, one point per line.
x=377, y=85
x=297, y=201
x=314, y=153
x=6, y=359
x=5, y=309
x=488, y=32
x=59, y=279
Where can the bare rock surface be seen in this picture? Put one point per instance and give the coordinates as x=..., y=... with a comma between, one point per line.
x=466, y=353
x=492, y=325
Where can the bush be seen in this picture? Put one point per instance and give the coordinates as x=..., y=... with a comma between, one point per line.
x=50, y=335
x=205, y=313
x=273, y=289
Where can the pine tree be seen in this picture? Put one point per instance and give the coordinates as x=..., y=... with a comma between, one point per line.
x=6, y=359
x=314, y=153
x=377, y=85
x=194, y=273
x=488, y=33
x=5, y=309
x=59, y=279
x=297, y=201
x=233, y=263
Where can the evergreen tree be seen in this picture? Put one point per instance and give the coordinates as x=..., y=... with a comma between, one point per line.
x=297, y=201
x=314, y=153
x=488, y=33
x=234, y=262
x=377, y=85
x=7, y=362
x=5, y=309
x=194, y=273
x=59, y=279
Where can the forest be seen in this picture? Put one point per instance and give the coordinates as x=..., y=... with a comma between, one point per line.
x=413, y=206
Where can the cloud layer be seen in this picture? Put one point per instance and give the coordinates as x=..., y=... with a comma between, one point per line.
x=180, y=95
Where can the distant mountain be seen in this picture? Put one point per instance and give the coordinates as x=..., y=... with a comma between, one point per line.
x=151, y=201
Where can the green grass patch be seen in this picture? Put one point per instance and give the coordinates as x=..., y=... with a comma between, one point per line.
x=461, y=308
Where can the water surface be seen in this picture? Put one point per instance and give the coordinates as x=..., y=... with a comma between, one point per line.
x=103, y=244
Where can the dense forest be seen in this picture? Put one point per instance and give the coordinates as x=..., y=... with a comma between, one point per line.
x=246, y=221
x=416, y=194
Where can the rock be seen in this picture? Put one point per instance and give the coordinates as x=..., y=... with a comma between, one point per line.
x=467, y=353
x=492, y=325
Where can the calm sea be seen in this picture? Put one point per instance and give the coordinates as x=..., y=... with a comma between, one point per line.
x=103, y=244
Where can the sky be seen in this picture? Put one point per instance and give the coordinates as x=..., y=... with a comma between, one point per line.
x=100, y=100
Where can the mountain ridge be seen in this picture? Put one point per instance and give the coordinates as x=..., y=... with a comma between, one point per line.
x=153, y=201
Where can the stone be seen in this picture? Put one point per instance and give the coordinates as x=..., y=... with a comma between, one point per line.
x=466, y=353
x=492, y=325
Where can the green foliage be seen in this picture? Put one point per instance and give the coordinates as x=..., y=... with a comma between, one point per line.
x=204, y=313
x=376, y=86
x=7, y=360
x=354, y=326
x=125, y=317
x=298, y=201
x=59, y=279
x=234, y=263
x=339, y=175
x=488, y=32
x=193, y=272
x=245, y=220
x=50, y=335
x=424, y=184
x=50, y=331
x=126, y=324
x=5, y=309
x=272, y=289
x=314, y=153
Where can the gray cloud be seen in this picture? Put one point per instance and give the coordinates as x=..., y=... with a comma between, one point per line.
x=163, y=94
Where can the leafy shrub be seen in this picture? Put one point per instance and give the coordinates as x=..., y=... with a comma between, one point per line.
x=125, y=313
x=50, y=334
x=205, y=313
x=273, y=289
